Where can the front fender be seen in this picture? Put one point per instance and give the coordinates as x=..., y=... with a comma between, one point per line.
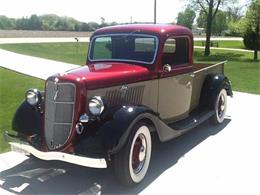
x=115, y=131
x=27, y=120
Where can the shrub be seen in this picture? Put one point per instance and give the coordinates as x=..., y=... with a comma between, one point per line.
x=249, y=39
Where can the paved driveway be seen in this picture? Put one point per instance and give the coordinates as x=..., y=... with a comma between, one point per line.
x=32, y=66
x=208, y=160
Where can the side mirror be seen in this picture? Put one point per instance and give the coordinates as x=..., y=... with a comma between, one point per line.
x=167, y=68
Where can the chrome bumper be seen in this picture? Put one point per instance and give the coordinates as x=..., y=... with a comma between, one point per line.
x=23, y=147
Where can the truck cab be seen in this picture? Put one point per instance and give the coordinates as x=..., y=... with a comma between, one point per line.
x=138, y=80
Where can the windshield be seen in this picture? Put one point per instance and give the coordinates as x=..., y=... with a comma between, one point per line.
x=124, y=47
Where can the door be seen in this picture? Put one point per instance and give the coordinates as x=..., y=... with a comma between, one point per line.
x=175, y=83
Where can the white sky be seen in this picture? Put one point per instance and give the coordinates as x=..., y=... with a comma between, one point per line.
x=92, y=10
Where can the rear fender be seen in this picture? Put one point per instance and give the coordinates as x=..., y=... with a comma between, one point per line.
x=211, y=87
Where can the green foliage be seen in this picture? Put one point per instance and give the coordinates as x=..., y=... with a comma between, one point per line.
x=236, y=28
x=219, y=23
x=50, y=22
x=186, y=18
x=250, y=38
x=6, y=23
x=252, y=30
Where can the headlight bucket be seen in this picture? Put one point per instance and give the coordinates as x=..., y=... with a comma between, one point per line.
x=33, y=97
x=96, y=105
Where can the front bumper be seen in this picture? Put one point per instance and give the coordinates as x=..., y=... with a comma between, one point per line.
x=23, y=147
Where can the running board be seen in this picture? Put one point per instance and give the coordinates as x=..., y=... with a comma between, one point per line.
x=195, y=119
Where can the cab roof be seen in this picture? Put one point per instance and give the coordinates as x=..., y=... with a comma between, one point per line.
x=161, y=30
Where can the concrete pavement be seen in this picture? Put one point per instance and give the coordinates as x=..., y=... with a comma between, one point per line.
x=225, y=49
x=32, y=66
x=208, y=160
x=219, y=38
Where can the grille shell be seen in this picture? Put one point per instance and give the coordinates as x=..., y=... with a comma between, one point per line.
x=59, y=113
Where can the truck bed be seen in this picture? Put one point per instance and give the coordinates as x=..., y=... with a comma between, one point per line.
x=200, y=71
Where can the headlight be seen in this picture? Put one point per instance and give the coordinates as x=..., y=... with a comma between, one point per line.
x=96, y=105
x=33, y=96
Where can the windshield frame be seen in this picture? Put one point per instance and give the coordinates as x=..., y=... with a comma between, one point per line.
x=124, y=60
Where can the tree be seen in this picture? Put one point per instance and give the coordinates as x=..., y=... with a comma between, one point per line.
x=210, y=9
x=234, y=14
x=6, y=23
x=102, y=22
x=219, y=23
x=186, y=18
x=34, y=23
x=253, y=25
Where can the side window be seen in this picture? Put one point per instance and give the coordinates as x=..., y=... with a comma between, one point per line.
x=176, y=51
x=169, y=46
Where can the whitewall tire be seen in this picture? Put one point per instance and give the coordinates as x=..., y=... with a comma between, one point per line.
x=132, y=162
x=220, y=107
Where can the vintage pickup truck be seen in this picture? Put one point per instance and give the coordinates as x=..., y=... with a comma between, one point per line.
x=139, y=80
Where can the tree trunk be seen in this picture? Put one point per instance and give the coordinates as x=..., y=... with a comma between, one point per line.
x=257, y=40
x=208, y=35
x=209, y=29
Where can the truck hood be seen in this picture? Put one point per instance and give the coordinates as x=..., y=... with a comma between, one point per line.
x=100, y=75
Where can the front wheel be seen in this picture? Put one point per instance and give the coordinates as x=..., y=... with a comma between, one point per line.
x=132, y=162
x=220, y=107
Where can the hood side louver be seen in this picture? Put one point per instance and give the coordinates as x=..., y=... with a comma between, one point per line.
x=132, y=96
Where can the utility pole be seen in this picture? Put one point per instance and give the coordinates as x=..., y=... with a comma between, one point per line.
x=154, y=11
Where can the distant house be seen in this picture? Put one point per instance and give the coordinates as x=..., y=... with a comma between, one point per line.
x=198, y=31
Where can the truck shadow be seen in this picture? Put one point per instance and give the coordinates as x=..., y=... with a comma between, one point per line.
x=34, y=176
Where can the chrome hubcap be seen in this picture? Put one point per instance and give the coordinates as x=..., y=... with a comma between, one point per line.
x=139, y=153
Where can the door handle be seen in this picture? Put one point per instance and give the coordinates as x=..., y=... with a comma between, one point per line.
x=192, y=75
x=188, y=85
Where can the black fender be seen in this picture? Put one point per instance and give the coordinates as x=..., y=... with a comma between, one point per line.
x=27, y=120
x=212, y=85
x=116, y=125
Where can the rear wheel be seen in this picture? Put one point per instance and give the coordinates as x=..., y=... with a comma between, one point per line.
x=132, y=162
x=220, y=107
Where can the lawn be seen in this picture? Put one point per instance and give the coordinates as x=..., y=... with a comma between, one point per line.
x=74, y=53
x=243, y=72
x=225, y=44
x=12, y=89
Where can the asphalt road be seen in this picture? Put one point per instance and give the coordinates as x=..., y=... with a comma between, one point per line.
x=207, y=160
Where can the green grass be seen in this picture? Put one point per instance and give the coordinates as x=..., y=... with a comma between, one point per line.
x=243, y=72
x=74, y=53
x=12, y=89
x=225, y=44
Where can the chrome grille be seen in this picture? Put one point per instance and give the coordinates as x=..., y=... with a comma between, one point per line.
x=59, y=109
x=133, y=95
